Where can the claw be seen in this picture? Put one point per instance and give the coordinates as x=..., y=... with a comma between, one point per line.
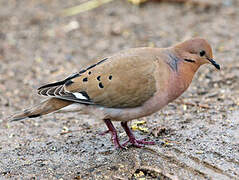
x=111, y=129
x=137, y=143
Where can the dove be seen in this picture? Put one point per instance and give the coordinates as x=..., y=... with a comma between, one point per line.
x=128, y=85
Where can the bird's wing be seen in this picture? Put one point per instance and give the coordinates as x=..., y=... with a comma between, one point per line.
x=121, y=81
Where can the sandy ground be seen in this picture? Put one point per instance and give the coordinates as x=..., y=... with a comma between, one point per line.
x=197, y=136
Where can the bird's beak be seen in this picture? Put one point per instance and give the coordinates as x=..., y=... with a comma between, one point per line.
x=214, y=63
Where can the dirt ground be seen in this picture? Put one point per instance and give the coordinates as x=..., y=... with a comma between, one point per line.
x=197, y=136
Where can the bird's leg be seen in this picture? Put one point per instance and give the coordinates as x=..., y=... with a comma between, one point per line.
x=113, y=132
x=132, y=138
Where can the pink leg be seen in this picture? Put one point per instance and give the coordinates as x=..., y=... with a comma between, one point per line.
x=132, y=138
x=113, y=132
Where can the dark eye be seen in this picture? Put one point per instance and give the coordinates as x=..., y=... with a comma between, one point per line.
x=202, y=53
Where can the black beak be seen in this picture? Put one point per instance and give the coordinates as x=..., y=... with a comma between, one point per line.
x=214, y=63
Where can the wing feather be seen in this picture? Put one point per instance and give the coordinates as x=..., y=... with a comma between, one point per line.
x=125, y=80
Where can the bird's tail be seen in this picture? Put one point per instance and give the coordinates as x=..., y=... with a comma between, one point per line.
x=45, y=107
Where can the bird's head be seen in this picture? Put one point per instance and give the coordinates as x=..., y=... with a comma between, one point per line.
x=196, y=52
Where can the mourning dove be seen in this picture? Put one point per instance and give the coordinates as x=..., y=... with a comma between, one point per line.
x=128, y=85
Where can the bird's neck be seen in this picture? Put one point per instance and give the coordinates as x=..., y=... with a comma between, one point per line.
x=181, y=77
x=179, y=81
x=185, y=70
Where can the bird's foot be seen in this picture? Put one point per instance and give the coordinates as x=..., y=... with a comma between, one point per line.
x=135, y=142
x=138, y=142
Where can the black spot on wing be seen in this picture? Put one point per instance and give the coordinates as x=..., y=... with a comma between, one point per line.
x=101, y=85
x=98, y=78
x=85, y=79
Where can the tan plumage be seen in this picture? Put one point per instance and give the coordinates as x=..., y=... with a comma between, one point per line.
x=45, y=107
x=128, y=85
x=123, y=80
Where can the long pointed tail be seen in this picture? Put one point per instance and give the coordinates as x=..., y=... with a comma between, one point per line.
x=45, y=107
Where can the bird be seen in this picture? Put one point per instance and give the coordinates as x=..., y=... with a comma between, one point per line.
x=128, y=85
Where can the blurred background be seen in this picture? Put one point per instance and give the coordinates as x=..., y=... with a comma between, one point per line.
x=44, y=41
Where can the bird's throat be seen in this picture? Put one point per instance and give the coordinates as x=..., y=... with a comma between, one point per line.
x=180, y=81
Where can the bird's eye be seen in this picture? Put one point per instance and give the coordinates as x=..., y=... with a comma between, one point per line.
x=202, y=53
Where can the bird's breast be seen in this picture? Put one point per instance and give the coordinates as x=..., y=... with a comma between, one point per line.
x=177, y=86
